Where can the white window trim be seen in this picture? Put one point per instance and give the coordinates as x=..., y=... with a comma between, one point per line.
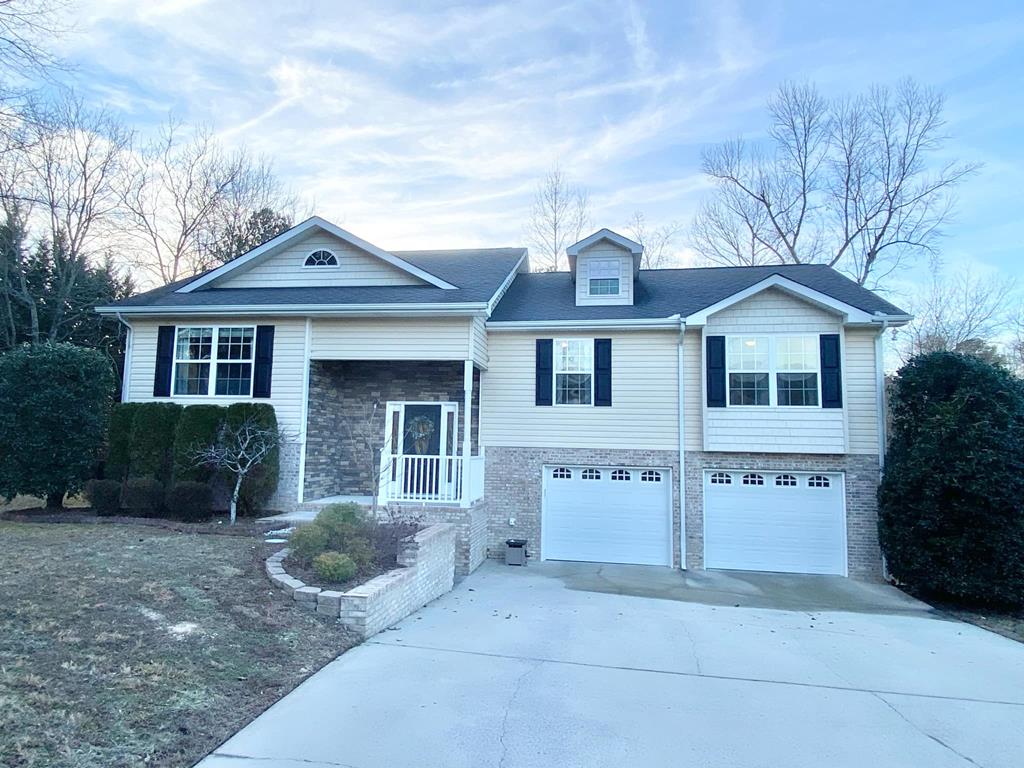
x=555, y=373
x=336, y=265
x=618, y=265
x=211, y=385
x=773, y=369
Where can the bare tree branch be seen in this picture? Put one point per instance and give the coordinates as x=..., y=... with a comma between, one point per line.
x=658, y=243
x=558, y=219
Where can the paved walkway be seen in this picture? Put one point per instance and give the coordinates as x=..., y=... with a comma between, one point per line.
x=593, y=666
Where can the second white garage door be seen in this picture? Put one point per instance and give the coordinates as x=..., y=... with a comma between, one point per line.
x=607, y=515
x=792, y=522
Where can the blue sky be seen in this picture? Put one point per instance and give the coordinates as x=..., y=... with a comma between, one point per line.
x=429, y=124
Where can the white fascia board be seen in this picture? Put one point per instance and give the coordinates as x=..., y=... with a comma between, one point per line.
x=498, y=294
x=605, y=234
x=298, y=231
x=304, y=311
x=635, y=324
x=850, y=313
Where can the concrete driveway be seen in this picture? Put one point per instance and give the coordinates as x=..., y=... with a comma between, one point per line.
x=565, y=664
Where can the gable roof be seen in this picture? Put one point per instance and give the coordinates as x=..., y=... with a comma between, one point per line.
x=476, y=275
x=605, y=234
x=665, y=293
x=300, y=230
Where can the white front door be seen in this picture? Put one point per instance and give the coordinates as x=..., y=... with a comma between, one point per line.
x=607, y=515
x=785, y=521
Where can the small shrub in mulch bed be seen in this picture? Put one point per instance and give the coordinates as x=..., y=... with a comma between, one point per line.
x=104, y=495
x=334, y=567
x=345, y=529
x=190, y=501
x=143, y=496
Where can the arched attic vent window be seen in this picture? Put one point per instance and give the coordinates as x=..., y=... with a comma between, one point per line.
x=321, y=258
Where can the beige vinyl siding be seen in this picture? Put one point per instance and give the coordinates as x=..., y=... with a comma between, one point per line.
x=285, y=269
x=478, y=341
x=644, y=411
x=374, y=338
x=286, y=382
x=693, y=390
x=774, y=429
x=601, y=251
x=860, y=389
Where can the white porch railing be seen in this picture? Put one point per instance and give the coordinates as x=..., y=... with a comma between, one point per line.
x=444, y=479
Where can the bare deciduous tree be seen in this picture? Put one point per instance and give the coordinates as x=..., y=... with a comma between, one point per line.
x=559, y=216
x=960, y=313
x=365, y=426
x=239, y=449
x=658, y=242
x=853, y=183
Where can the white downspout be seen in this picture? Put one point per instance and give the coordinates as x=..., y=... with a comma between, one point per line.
x=128, y=349
x=682, y=447
x=880, y=399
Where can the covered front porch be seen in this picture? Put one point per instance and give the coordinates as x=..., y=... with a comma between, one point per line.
x=405, y=430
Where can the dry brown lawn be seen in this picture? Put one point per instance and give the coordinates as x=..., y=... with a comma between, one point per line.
x=126, y=645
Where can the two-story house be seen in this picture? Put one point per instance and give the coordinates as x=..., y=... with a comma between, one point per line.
x=698, y=418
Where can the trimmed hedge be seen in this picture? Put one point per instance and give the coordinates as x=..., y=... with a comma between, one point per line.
x=152, y=441
x=104, y=496
x=190, y=501
x=951, y=502
x=119, y=441
x=196, y=428
x=143, y=497
x=261, y=483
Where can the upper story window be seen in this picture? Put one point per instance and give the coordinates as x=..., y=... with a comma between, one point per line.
x=209, y=360
x=321, y=258
x=604, y=277
x=773, y=370
x=574, y=371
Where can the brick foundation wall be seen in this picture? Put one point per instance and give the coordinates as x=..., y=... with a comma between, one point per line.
x=861, y=471
x=340, y=395
x=286, y=497
x=512, y=488
x=470, y=525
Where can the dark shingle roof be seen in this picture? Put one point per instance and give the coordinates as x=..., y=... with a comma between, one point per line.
x=478, y=273
x=666, y=292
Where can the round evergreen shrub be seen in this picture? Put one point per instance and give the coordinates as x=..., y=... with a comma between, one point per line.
x=334, y=567
x=54, y=407
x=197, y=428
x=951, y=502
x=153, y=440
x=189, y=501
x=306, y=542
x=104, y=496
x=143, y=496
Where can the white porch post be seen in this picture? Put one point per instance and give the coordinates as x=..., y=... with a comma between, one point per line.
x=467, y=429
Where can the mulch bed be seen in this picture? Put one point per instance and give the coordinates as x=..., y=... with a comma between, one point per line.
x=142, y=644
x=217, y=525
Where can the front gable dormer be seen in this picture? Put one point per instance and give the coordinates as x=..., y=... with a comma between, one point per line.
x=604, y=268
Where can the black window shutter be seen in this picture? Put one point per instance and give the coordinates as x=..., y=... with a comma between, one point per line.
x=715, y=360
x=602, y=371
x=264, y=361
x=831, y=372
x=164, y=361
x=545, y=365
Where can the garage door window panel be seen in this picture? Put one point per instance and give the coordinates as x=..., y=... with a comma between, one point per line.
x=574, y=372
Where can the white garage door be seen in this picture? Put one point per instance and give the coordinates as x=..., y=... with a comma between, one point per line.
x=793, y=522
x=607, y=515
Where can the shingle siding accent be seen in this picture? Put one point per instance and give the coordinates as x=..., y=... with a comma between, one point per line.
x=513, y=485
x=341, y=392
x=862, y=475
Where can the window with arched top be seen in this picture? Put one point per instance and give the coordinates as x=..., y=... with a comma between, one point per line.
x=721, y=478
x=753, y=479
x=620, y=474
x=562, y=473
x=818, y=481
x=591, y=474
x=787, y=481
x=321, y=258
x=650, y=476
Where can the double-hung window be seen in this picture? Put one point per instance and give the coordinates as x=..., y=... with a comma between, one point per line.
x=604, y=275
x=212, y=360
x=574, y=371
x=773, y=370
x=748, y=360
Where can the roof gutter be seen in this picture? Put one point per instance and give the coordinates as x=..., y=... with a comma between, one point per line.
x=474, y=308
x=670, y=323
